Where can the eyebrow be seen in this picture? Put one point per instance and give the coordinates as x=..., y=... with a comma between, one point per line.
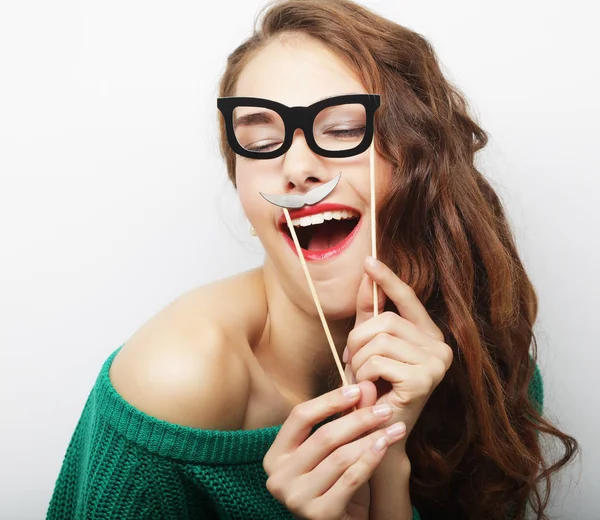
x=265, y=117
x=253, y=119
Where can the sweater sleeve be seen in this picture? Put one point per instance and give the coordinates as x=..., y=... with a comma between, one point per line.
x=101, y=475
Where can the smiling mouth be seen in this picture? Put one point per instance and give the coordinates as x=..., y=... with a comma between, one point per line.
x=325, y=232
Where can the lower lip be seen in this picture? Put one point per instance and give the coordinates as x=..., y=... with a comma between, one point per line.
x=325, y=254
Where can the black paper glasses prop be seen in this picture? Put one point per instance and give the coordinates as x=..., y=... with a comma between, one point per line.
x=340, y=126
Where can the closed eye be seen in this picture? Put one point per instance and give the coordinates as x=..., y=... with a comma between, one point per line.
x=262, y=148
x=348, y=132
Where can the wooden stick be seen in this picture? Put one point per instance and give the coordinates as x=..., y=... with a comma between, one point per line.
x=315, y=298
x=373, y=223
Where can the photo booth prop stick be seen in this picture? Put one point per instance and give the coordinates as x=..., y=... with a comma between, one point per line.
x=293, y=201
x=373, y=220
x=315, y=297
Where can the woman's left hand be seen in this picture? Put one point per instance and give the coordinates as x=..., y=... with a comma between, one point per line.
x=407, y=350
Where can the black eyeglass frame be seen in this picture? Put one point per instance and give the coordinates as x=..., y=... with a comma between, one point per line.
x=302, y=117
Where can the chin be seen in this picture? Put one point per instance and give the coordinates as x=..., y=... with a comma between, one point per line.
x=337, y=294
x=336, y=271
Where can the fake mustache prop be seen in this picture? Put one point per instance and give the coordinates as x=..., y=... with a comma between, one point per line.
x=310, y=198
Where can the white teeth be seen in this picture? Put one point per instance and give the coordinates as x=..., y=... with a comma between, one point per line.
x=319, y=218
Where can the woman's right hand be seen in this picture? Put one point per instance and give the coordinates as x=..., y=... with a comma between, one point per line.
x=325, y=476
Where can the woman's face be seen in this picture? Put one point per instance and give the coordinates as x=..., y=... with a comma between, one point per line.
x=298, y=71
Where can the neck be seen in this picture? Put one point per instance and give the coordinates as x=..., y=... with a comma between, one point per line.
x=294, y=349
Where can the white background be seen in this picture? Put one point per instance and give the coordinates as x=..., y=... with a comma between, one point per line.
x=114, y=200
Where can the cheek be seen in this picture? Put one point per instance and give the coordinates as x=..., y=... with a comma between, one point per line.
x=250, y=183
x=248, y=192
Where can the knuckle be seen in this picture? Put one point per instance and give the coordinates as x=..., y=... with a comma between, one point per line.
x=273, y=486
x=381, y=339
x=295, y=502
x=300, y=412
x=340, y=458
x=447, y=355
x=440, y=370
x=267, y=465
x=325, y=436
x=351, y=338
x=353, y=476
x=375, y=360
x=389, y=318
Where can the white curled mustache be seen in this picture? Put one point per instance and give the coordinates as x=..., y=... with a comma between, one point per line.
x=310, y=198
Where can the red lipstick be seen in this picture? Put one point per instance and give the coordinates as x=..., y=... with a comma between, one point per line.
x=323, y=254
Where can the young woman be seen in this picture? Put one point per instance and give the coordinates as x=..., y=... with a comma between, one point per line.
x=227, y=404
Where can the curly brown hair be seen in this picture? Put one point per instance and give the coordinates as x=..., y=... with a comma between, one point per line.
x=475, y=451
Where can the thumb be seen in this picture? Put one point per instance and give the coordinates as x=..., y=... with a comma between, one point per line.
x=364, y=300
x=368, y=394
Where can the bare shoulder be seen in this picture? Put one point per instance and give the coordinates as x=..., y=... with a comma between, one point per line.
x=185, y=366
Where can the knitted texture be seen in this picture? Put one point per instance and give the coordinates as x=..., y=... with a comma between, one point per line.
x=536, y=389
x=124, y=464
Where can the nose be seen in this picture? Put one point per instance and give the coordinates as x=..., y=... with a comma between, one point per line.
x=302, y=169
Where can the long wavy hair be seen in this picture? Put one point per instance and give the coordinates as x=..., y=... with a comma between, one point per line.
x=475, y=451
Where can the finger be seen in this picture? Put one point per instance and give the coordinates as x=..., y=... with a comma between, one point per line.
x=328, y=472
x=390, y=347
x=358, y=473
x=368, y=395
x=337, y=433
x=403, y=296
x=398, y=374
x=390, y=323
x=364, y=300
x=304, y=416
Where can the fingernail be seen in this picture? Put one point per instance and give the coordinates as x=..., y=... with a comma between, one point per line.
x=372, y=262
x=380, y=444
x=350, y=392
x=345, y=355
x=382, y=410
x=395, y=430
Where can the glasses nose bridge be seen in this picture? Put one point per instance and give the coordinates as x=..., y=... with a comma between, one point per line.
x=299, y=117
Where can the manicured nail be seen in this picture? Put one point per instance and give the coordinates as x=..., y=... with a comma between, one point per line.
x=380, y=444
x=345, y=355
x=351, y=391
x=395, y=430
x=372, y=262
x=382, y=410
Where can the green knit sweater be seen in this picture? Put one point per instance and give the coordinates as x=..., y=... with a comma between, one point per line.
x=123, y=464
